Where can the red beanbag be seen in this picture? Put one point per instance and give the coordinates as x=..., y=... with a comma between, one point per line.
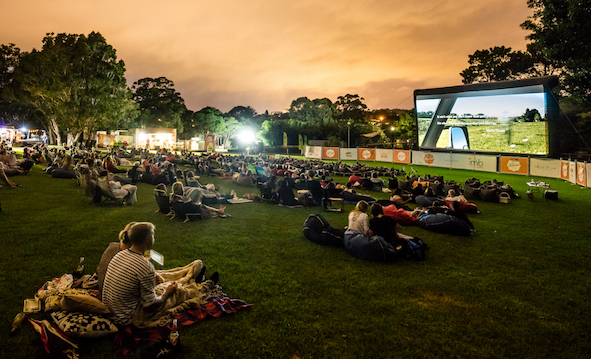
x=401, y=216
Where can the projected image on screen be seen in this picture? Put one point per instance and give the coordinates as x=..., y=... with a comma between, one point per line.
x=505, y=120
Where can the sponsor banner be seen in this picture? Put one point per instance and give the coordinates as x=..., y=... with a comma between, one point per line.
x=581, y=174
x=564, y=170
x=314, y=152
x=588, y=170
x=366, y=154
x=330, y=153
x=435, y=159
x=402, y=156
x=473, y=162
x=544, y=167
x=572, y=172
x=348, y=154
x=515, y=165
x=383, y=155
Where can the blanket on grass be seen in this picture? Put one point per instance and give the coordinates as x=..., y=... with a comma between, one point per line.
x=129, y=337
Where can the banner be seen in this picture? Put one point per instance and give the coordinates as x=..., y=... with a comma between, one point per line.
x=366, y=154
x=314, y=152
x=284, y=139
x=572, y=172
x=436, y=159
x=564, y=170
x=402, y=156
x=384, y=155
x=210, y=143
x=515, y=165
x=300, y=142
x=581, y=175
x=330, y=153
x=473, y=162
x=348, y=154
x=545, y=167
x=588, y=170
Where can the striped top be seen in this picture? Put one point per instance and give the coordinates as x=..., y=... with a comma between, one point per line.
x=129, y=280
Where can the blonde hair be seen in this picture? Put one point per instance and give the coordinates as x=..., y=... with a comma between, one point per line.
x=136, y=233
x=361, y=206
x=177, y=188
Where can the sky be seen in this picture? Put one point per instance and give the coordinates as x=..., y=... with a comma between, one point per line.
x=265, y=54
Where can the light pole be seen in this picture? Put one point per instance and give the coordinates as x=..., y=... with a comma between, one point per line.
x=348, y=134
x=392, y=129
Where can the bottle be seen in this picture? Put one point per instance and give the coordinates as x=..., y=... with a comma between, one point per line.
x=174, y=334
x=80, y=269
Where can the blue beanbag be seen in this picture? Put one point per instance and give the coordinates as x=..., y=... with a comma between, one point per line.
x=374, y=249
x=444, y=223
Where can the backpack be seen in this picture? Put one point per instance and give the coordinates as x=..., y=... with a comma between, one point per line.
x=413, y=248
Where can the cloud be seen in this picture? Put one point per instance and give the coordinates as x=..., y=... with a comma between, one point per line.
x=266, y=54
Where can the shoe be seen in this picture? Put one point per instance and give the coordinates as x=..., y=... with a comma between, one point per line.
x=199, y=276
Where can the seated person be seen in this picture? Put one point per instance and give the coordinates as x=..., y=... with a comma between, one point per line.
x=313, y=185
x=195, y=205
x=285, y=194
x=129, y=284
x=377, y=182
x=127, y=191
x=111, y=166
x=247, y=180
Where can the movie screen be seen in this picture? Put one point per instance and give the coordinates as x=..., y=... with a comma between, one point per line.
x=503, y=120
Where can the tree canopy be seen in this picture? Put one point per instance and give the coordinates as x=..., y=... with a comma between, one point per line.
x=160, y=104
x=74, y=83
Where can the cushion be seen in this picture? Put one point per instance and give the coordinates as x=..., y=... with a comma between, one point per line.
x=83, y=324
x=83, y=303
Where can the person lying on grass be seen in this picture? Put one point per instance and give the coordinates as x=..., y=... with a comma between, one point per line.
x=135, y=292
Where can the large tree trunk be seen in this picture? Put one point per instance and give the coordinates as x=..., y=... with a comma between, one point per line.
x=54, y=129
x=72, y=138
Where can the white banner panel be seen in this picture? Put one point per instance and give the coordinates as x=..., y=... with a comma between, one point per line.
x=581, y=175
x=348, y=154
x=383, y=155
x=545, y=167
x=436, y=159
x=313, y=152
x=572, y=172
x=474, y=162
x=588, y=176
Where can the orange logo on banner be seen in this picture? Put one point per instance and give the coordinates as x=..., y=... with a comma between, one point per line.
x=514, y=165
x=366, y=154
x=581, y=178
x=330, y=153
x=429, y=158
x=402, y=156
x=564, y=170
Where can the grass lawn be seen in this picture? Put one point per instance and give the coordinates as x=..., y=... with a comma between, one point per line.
x=517, y=288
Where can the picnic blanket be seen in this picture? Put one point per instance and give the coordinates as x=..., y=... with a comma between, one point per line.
x=129, y=337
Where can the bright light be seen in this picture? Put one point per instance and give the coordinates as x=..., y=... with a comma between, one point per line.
x=392, y=128
x=246, y=136
x=23, y=129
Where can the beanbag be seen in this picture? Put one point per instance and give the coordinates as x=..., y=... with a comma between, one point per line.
x=317, y=230
x=425, y=201
x=471, y=192
x=374, y=249
x=444, y=223
x=62, y=173
x=401, y=216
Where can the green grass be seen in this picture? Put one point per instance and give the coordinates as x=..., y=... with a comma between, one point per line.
x=517, y=288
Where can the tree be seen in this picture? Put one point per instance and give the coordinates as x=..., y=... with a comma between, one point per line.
x=497, y=64
x=10, y=56
x=351, y=107
x=210, y=119
x=160, y=104
x=560, y=29
x=306, y=111
x=74, y=83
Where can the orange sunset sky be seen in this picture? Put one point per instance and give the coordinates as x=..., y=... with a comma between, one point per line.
x=265, y=54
